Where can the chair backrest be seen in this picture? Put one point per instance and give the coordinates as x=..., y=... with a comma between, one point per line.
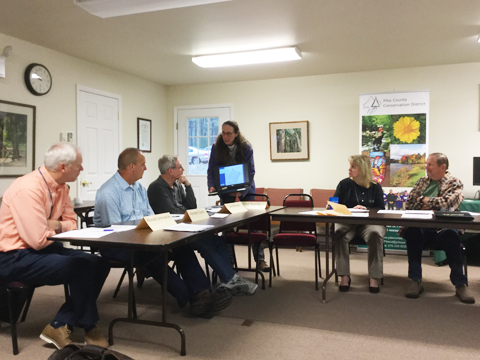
x=306, y=201
x=321, y=196
x=277, y=195
x=260, y=190
x=263, y=223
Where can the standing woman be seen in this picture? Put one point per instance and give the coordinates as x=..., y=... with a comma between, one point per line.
x=232, y=148
x=359, y=191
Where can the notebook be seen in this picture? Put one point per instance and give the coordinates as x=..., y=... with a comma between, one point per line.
x=453, y=215
x=231, y=178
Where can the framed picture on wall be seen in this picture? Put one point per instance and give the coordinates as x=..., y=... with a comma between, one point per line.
x=144, y=135
x=17, y=139
x=289, y=140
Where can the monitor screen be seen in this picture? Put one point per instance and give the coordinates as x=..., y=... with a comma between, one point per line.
x=231, y=175
x=476, y=171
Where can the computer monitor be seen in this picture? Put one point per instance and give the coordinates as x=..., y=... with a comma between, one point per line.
x=476, y=171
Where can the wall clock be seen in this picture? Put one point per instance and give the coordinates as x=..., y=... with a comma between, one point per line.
x=38, y=79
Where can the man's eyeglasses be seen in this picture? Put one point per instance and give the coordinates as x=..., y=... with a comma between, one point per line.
x=175, y=168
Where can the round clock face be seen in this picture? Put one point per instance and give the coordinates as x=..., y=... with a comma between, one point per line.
x=38, y=79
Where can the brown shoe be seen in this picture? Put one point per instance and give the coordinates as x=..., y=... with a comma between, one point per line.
x=464, y=294
x=95, y=337
x=263, y=266
x=59, y=337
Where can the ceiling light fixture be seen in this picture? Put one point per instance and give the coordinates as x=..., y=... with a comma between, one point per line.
x=248, y=57
x=112, y=8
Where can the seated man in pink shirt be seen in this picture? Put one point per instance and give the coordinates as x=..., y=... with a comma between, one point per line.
x=34, y=207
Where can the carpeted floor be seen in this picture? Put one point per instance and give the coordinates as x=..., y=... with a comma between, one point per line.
x=287, y=321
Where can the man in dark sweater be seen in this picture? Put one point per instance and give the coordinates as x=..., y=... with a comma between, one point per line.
x=173, y=193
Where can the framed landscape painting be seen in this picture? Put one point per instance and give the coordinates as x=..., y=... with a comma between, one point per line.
x=17, y=139
x=289, y=140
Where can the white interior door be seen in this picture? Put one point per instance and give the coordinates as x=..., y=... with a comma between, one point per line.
x=98, y=129
x=198, y=128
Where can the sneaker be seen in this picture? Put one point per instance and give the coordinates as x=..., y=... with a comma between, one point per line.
x=221, y=299
x=239, y=285
x=59, y=337
x=415, y=289
x=464, y=294
x=263, y=266
x=95, y=337
x=202, y=305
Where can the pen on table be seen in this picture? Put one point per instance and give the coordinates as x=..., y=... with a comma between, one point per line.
x=107, y=229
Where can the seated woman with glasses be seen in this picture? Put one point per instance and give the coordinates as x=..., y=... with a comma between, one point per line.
x=359, y=191
x=232, y=148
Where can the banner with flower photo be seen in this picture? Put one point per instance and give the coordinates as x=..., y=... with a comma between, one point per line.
x=393, y=133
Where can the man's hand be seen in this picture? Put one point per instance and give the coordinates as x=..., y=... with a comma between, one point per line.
x=212, y=189
x=424, y=201
x=55, y=225
x=360, y=207
x=182, y=179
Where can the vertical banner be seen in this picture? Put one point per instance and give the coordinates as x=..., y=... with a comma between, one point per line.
x=393, y=133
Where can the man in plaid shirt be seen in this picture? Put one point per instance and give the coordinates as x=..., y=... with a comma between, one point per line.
x=439, y=190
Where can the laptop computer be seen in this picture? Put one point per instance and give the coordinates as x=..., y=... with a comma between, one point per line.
x=231, y=178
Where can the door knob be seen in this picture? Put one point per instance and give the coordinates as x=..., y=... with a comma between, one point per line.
x=84, y=183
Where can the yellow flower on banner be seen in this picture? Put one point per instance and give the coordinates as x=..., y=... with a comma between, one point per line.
x=406, y=129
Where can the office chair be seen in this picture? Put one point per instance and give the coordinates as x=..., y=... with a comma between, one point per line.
x=253, y=233
x=294, y=234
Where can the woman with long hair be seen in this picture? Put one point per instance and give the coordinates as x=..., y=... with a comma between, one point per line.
x=359, y=191
x=231, y=148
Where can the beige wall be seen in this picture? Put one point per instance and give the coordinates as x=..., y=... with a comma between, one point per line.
x=56, y=111
x=331, y=104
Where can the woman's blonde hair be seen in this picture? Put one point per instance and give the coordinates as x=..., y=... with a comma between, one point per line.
x=365, y=177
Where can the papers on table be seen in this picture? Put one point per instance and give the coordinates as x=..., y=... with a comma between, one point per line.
x=188, y=227
x=418, y=214
x=410, y=214
x=391, y=212
x=94, y=232
x=177, y=216
x=219, y=216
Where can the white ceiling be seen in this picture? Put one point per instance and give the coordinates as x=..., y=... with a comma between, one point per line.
x=335, y=36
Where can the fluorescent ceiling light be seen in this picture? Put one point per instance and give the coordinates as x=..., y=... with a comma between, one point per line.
x=112, y=8
x=248, y=57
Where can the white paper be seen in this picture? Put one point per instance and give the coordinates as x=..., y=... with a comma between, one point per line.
x=188, y=227
x=309, y=213
x=219, y=216
x=352, y=210
x=391, y=212
x=120, y=228
x=214, y=210
x=177, y=216
x=87, y=233
x=417, y=216
x=360, y=214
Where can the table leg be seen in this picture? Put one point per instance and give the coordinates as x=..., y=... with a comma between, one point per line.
x=133, y=319
x=327, y=262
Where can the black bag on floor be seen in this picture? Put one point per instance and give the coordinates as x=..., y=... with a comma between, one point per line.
x=87, y=352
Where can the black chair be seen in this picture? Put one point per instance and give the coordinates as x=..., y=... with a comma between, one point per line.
x=295, y=234
x=15, y=299
x=253, y=233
